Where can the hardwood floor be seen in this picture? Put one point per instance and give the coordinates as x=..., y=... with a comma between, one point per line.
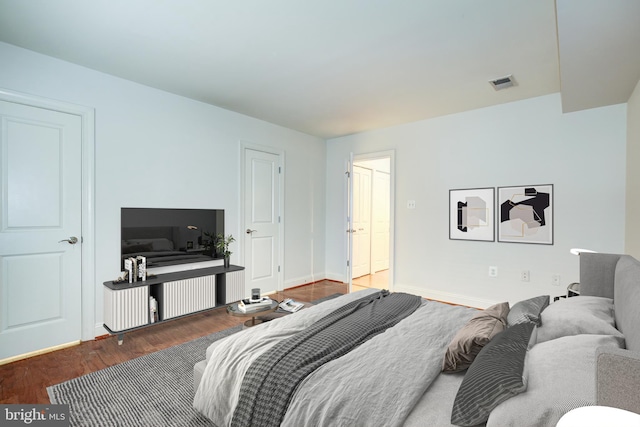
x=379, y=280
x=25, y=381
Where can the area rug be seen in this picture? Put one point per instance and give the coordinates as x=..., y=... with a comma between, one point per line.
x=152, y=390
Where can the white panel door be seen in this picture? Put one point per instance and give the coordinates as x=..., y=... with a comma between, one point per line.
x=381, y=221
x=361, y=221
x=40, y=270
x=262, y=235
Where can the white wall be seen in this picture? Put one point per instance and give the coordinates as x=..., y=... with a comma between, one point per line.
x=178, y=153
x=632, y=231
x=526, y=142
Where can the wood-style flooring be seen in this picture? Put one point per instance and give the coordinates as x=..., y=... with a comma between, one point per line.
x=25, y=381
x=379, y=280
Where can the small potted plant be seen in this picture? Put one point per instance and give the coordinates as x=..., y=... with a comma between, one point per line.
x=222, y=247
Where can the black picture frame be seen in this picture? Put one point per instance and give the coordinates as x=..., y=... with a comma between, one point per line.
x=525, y=214
x=472, y=214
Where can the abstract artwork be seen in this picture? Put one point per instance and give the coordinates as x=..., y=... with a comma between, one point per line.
x=471, y=214
x=525, y=214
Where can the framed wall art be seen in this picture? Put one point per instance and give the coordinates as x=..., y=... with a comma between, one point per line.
x=471, y=214
x=525, y=214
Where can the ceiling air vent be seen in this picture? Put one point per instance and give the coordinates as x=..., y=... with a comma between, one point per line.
x=502, y=82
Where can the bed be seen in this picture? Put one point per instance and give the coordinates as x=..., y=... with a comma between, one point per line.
x=524, y=365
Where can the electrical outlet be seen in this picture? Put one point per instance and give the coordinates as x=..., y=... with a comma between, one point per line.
x=493, y=271
x=524, y=275
x=411, y=204
x=555, y=280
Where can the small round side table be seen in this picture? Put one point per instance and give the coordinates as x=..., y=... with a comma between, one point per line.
x=233, y=310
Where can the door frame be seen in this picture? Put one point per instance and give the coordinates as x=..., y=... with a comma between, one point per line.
x=89, y=328
x=244, y=146
x=357, y=157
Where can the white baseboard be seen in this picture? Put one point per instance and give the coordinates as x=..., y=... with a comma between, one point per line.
x=37, y=353
x=336, y=277
x=449, y=297
x=299, y=281
x=445, y=296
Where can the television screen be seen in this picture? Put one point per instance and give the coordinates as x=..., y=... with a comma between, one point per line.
x=170, y=236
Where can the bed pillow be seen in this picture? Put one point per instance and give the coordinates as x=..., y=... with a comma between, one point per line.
x=576, y=316
x=474, y=335
x=560, y=377
x=495, y=376
x=528, y=310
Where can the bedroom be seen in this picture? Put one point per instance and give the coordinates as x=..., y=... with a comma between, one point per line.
x=150, y=124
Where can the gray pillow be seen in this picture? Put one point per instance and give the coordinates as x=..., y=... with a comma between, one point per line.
x=474, y=335
x=528, y=310
x=560, y=377
x=495, y=376
x=578, y=315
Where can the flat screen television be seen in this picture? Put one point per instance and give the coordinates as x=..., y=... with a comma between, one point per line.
x=170, y=236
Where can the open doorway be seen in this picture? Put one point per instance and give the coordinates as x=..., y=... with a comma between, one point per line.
x=371, y=221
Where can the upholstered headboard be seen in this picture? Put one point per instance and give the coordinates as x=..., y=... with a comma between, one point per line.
x=597, y=273
x=626, y=300
x=618, y=277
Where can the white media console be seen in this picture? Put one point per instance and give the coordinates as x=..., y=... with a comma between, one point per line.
x=127, y=307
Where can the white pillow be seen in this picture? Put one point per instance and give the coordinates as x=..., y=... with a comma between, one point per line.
x=576, y=316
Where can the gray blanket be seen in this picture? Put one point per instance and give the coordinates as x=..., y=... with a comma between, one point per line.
x=271, y=380
x=376, y=384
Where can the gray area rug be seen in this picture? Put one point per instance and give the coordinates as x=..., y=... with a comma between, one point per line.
x=152, y=390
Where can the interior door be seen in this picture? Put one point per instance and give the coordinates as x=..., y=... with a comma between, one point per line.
x=262, y=220
x=40, y=229
x=381, y=221
x=349, y=210
x=361, y=221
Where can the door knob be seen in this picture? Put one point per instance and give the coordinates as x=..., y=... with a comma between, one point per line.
x=71, y=240
x=249, y=231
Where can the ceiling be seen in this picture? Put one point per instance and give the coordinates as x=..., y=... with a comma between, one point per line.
x=336, y=67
